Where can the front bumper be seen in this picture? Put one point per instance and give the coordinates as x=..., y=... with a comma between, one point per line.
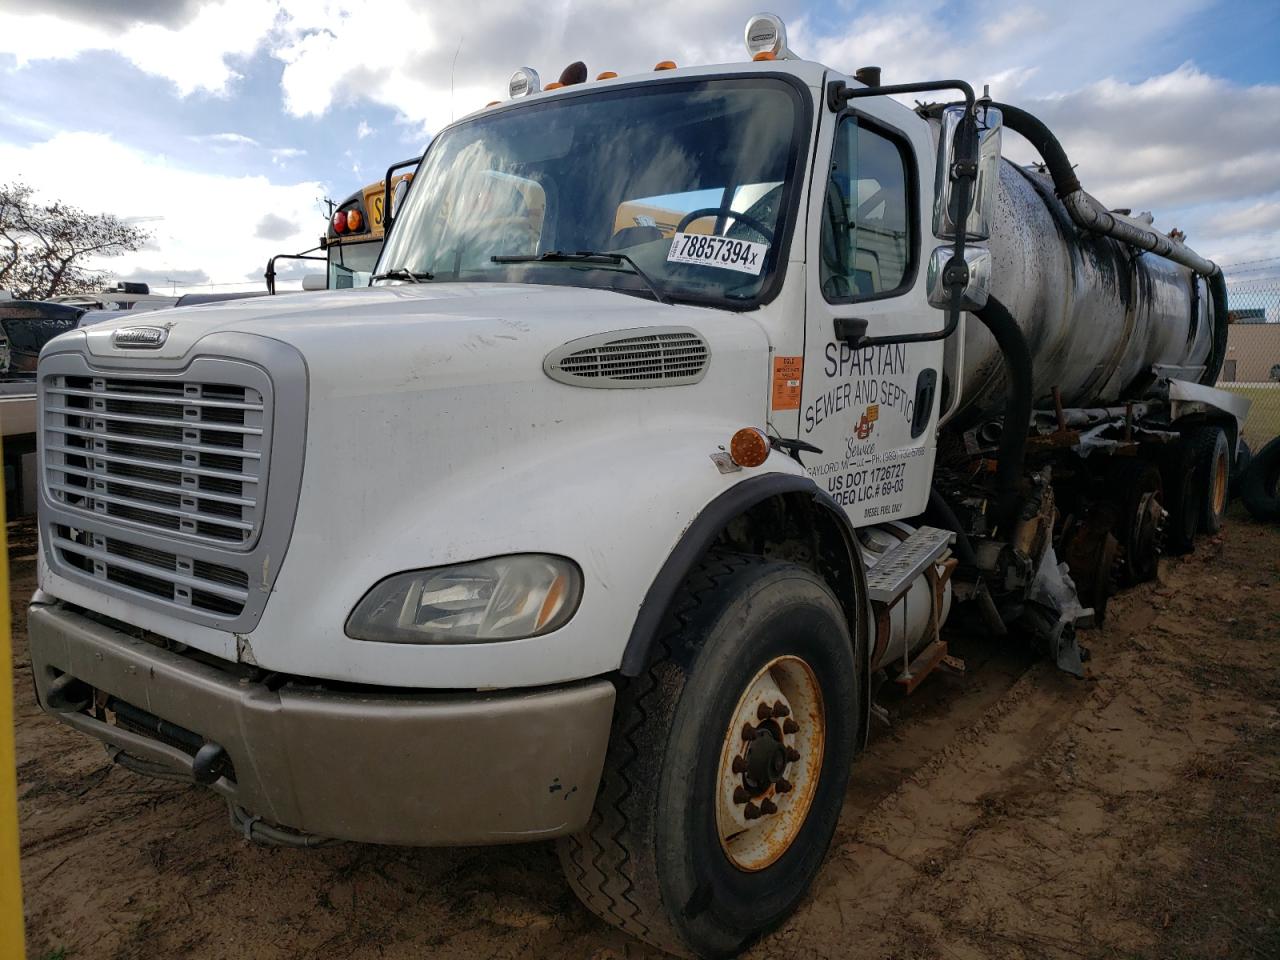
x=418, y=768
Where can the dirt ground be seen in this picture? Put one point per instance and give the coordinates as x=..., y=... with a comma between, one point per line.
x=1011, y=812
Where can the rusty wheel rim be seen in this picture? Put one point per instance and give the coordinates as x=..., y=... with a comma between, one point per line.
x=1220, y=485
x=770, y=763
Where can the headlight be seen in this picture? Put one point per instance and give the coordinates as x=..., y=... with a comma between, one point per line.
x=506, y=598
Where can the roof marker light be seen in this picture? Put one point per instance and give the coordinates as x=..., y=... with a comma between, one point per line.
x=766, y=33
x=524, y=82
x=607, y=75
x=553, y=85
x=665, y=65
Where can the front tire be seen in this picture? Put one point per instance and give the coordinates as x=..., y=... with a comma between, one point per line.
x=727, y=765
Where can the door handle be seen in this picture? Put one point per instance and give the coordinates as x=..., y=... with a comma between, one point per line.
x=851, y=330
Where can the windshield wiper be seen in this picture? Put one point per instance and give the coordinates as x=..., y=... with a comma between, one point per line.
x=400, y=273
x=584, y=256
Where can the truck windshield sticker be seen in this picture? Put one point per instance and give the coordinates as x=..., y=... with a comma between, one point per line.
x=745, y=256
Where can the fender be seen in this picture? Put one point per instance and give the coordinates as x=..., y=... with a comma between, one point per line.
x=704, y=530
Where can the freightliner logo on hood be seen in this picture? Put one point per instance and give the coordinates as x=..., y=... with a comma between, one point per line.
x=137, y=338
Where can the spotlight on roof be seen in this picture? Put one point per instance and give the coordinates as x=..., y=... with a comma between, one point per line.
x=524, y=82
x=766, y=38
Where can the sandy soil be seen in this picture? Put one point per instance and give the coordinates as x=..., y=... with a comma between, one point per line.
x=1012, y=812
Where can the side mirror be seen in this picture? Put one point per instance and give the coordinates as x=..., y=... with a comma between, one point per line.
x=315, y=281
x=398, y=193
x=947, y=216
x=977, y=286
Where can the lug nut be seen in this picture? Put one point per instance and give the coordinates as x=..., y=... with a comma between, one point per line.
x=792, y=754
x=783, y=785
x=767, y=806
x=739, y=764
x=780, y=709
x=790, y=726
x=764, y=711
x=748, y=732
x=740, y=795
x=751, y=811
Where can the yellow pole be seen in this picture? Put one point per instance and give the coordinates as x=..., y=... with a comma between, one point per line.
x=11, y=934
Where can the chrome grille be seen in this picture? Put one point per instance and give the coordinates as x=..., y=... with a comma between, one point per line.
x=171, y=577
x=179, y=457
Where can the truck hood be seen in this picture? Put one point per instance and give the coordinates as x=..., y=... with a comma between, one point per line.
x=409, y=317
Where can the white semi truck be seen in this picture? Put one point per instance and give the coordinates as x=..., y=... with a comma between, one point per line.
x=687, y=409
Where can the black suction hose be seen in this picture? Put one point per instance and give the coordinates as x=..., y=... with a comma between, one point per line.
x=1041, y=137
x=1017, y=409
x=941, y=514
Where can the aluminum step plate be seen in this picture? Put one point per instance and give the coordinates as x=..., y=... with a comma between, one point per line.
x=896, y=570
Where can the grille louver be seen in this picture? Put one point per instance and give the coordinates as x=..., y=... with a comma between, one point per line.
x=658, y=357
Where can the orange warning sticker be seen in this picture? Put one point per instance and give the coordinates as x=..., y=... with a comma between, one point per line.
x=787, y=372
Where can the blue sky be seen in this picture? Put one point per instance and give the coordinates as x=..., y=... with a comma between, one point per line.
x=206, y=115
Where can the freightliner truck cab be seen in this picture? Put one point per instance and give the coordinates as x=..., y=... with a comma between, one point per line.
x=601, y=515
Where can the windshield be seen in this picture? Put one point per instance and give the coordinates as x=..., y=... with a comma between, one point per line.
x=620, y=171
x=351, y=264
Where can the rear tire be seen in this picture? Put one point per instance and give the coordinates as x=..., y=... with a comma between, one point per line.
x=1258, y=487
x=1197, y=475
x=667, y=856
x=1213, y=476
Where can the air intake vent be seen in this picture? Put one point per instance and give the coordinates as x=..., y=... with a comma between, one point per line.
x=651, y=357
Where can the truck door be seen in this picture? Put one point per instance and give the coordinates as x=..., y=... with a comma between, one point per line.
x=873, y=410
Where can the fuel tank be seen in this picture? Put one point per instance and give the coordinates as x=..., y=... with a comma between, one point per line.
x=1099, y=317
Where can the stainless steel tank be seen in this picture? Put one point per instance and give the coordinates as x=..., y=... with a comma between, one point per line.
x=1098, y=316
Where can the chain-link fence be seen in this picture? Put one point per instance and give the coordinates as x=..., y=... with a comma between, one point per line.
x=1252, y=366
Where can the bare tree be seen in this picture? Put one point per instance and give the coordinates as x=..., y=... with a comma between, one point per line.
x=43, y=247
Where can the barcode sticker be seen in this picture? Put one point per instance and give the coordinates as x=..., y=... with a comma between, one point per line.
x=745, y=256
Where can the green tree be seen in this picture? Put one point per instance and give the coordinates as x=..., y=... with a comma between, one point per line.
x=44, y=247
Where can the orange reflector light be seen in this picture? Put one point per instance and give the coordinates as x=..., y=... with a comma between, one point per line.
x=355, y=219
x=765, y=55
x=553, y=85
x=492, y=103
x=749, y=447
x=607, y=75
x=665, y=65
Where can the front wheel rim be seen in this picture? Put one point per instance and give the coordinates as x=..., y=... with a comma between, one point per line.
x=770, y=763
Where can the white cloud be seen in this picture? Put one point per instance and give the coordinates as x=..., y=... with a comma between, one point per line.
x=203, y=222
x=194, y=55
x=230, y=139
x=363, y=130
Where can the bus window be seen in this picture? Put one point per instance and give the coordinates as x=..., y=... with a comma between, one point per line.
x=351, y=264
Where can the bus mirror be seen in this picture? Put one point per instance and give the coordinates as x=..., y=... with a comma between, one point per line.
x=946, y=215
x=398, y=193
x=976, y=278
x=315, y=281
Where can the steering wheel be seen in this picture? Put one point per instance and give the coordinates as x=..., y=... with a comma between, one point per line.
x=742, y=218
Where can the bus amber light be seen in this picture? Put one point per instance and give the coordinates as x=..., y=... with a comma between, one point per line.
x=354, y=220
x=749, y=447
x=765, y=55
x=665, y=65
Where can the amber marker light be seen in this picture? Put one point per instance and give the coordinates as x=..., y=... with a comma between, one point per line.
x=354, y=219
x=749, y=447
x=765, y=55
x=665, y=65
x=553, y=85
x=607, y=75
